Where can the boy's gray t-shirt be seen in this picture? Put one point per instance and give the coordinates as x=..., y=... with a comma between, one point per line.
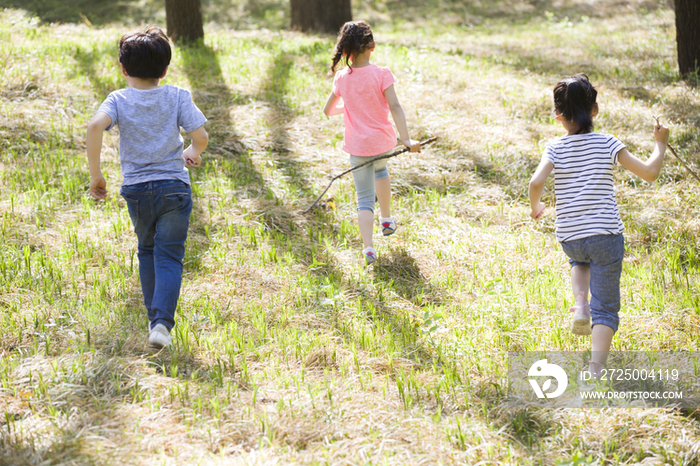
x=150, y=143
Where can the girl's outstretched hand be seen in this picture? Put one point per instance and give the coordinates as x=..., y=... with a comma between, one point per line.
x=661, y=132
x=413, y=146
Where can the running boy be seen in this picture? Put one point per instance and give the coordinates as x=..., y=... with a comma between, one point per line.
x=588, y=223
x=156, y=184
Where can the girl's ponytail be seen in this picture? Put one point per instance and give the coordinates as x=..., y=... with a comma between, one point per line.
x=574, y=99
x=337, y=55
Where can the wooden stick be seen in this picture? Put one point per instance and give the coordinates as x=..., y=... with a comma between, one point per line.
x=372, y=160
x=679, y=159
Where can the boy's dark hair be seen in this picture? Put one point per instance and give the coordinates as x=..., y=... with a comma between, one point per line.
x=574, y=99
x=354, y=37
x=145, y=53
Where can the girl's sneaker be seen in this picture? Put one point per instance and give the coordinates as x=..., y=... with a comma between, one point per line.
x=388, y=226
x=581, y=323
x=370, y=255
x=159, y=337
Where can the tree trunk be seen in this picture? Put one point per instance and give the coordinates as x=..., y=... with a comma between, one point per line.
x=320, y=15
x=184, y=20
x=688, y=35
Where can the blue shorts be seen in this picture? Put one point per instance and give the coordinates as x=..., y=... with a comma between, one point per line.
x=603, y=254
x=365, y=178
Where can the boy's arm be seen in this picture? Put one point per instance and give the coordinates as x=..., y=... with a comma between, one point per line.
x=200, y=139
x=649, y=170
x=536, y=188
x=331, y=108
x=93, y=144
x=400, y=119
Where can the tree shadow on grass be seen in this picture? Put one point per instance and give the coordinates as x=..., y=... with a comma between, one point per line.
x=239, y=14
x=96, y=12
x=273, y=14
x=212, y=95
x=226, y=154
x=511, y=176
x=233, y=158
x=398, y=270
x=457, y=12
x=274, y=91
x=556, y=64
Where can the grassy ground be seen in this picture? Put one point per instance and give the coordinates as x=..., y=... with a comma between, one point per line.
x=287, y=349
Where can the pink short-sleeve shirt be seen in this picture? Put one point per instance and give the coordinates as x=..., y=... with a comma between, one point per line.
x=368, y=130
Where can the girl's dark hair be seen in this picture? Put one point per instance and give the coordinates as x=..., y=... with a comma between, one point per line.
x=354, y=37
x=574, y=99
x=145, y=53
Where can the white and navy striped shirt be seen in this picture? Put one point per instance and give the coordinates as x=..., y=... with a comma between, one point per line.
x=583, y=184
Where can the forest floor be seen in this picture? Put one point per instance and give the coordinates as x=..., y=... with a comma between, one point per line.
x=287, y=349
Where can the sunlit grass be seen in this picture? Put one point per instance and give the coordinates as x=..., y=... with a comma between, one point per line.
x=287, y=349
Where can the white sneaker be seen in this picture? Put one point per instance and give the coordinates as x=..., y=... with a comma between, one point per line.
x=388, y=225
x=159, y=337
x=370, y=255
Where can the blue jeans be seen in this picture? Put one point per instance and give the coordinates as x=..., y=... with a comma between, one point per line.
x=160, y=212
x=603, y=254
x=365, y=178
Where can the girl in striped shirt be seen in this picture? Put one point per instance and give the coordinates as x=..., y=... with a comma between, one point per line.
x=588, y=223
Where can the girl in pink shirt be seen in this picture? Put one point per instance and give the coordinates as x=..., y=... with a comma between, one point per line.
x=368, y=96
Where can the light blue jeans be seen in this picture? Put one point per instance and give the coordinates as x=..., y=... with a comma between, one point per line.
x=365, y=178
x=603, y=254
x=160, y=212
